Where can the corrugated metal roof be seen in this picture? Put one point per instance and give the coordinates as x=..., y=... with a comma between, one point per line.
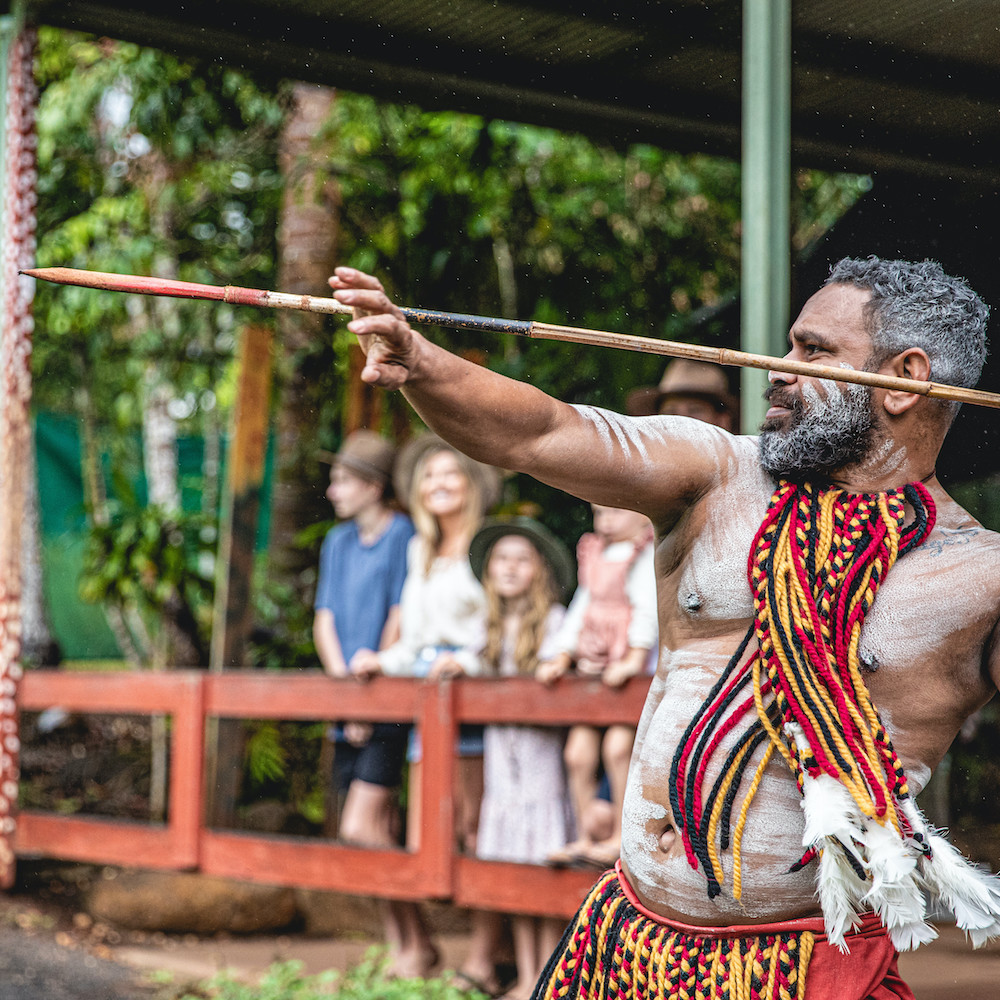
x=910, y=86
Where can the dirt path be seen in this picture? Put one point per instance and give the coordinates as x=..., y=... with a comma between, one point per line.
x=49, y=952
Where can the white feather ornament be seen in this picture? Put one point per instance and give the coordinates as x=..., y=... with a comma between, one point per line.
x=971, y=894
x=830, y=811
x=890, y=862
x=839, y=890
x=910, y=936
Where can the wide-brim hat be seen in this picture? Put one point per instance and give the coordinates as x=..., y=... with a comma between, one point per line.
x=684, y=377
x=487, y=477
x=549, y=547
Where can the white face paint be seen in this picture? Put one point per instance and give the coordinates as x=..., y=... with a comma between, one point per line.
x=822, y=433
x=885, y=461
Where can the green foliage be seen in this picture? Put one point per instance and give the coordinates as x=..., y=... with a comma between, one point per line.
x=265, y=755
x=147, y=161
x=148, y=165
x=155, y=561
x=282, y=764
x=282, y=637
x=496, y=218
x=150, y=162
x=367, y=981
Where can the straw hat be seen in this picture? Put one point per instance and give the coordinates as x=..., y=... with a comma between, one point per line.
x=486, y=477
x=551, y=549
x=684, y=377
x=368, y=455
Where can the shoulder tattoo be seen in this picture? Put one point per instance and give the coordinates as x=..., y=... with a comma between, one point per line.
x=947, y=537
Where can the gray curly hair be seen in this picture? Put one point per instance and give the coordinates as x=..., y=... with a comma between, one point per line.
x=918, y=305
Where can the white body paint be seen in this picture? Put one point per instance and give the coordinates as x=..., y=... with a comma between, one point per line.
x=705, y=609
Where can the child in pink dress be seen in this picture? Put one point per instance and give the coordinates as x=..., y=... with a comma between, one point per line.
x=610, y=632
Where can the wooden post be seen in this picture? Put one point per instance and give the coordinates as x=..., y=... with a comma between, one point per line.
x=241, y=501
x=233, y=618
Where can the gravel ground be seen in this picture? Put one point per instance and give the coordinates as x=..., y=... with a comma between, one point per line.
x=45, y=956
x=37, y=967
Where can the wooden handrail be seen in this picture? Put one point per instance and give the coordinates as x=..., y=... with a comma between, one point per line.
x=433, y=870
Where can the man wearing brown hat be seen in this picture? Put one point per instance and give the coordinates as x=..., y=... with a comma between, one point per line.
x=697, y=389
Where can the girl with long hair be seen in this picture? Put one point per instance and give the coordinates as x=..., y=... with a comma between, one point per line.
x=525, y=813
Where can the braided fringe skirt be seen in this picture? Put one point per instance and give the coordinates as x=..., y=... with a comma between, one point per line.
x=612, y=951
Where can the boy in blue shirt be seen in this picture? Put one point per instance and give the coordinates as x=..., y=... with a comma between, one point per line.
x=362, y=566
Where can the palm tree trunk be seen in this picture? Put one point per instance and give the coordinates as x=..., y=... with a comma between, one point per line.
x=307, y=253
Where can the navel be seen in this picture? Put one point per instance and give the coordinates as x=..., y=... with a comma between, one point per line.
x=667, y=838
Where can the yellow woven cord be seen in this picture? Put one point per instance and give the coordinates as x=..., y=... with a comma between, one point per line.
x=742, y=821
x=815, y=568
x=811, y=692
x=612, y=951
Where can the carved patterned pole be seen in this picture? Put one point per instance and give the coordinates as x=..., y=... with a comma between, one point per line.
x=18, y=231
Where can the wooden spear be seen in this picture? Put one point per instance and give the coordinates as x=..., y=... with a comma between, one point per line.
x=523, y=328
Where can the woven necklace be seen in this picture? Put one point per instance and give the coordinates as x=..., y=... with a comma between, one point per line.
x=814, y=569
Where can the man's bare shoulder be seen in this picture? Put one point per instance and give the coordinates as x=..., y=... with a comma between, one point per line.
x=960, y=560
x=656, y=464
x=639, y=434
x=663, y=437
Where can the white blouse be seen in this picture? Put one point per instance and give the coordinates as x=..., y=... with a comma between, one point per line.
x=444, y=606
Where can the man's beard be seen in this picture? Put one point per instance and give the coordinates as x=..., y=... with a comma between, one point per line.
x=823, y=433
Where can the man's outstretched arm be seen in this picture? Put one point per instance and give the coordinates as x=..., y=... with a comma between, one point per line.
x=594, y=454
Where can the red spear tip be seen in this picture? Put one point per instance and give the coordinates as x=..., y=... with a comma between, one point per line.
x=126, y=283
x=143, y=285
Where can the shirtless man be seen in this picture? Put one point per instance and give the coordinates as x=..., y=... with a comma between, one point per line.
x=930, y=647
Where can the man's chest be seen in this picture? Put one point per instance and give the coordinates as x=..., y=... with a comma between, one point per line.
x=938, y=601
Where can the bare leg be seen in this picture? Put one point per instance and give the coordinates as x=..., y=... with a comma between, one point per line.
x=370, y=815
x=535, y=939
x=582, y=754
x=417, y=955
x=413, y=806
x=371, y=819
x=526, y=957
x=550, y=932
x=617, y=752
x=479, y=967
x=468, y=799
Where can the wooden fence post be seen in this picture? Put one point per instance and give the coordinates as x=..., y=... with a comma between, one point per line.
x=233, y=618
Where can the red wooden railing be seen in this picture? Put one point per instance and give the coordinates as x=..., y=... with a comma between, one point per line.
x=433, y=869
